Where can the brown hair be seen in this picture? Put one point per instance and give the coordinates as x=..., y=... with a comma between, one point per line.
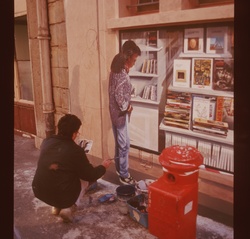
x=68, y=124
x=128, y=49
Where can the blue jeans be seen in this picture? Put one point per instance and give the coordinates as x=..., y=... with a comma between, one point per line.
x=122, y=144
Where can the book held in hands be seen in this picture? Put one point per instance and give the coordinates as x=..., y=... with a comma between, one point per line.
x=86, y=144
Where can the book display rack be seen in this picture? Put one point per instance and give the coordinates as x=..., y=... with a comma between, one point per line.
x=209, y=111
x=183, y=86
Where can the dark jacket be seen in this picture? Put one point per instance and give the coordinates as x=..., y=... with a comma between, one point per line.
x=119, y=97
x=62, y=163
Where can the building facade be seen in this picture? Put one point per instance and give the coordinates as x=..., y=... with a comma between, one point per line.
x=63, y=54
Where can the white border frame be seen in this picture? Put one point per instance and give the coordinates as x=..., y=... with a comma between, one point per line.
x=217, y=34
x=201, y=86
x=195, y=35
x=184, y=66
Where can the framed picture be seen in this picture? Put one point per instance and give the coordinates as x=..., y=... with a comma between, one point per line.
x=181, y=73
x=223, y=76
x=216, y=40
x=202, y=73
x=194, y=40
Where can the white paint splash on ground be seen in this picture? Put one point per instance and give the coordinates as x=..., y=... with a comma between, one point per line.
x=72, y=234
x=217, y=228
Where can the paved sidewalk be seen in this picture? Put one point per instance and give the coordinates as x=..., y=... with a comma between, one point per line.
x=32, y=218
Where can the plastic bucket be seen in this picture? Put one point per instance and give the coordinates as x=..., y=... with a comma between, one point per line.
x=124, y=193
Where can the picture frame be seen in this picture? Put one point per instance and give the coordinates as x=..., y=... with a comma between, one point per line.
x=181, y=73
x=194, y=40
x=223, y=74
x=217, y=40
x=202, y=73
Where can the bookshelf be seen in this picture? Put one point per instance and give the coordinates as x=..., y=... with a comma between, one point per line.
x=229, y=140
x=147, y=76
x=202, y=90
x=152, y=77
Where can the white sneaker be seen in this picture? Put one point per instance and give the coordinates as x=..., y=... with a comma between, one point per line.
x=67, y=213
x=55, y=211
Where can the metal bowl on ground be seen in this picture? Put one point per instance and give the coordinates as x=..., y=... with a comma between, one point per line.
x=124, y=193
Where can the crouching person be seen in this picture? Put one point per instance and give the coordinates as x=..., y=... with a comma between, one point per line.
x=63, y=170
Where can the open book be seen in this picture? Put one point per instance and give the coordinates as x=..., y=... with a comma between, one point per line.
x=86, y=144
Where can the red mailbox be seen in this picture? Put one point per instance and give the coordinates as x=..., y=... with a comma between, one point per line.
x=173, y=198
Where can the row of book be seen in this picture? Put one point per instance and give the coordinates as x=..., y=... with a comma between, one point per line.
x=149, y=66
x=177, y=109
x=150, y=92
x=214, y=155
x=206, y=126
x=204, y=114
x=215, y=40
x=204, y=73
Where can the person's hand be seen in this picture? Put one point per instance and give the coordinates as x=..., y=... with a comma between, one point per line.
x=106, y=163
x=130, y=108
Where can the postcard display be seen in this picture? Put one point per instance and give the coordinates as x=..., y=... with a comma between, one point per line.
x=146, y=77
x=200, y=100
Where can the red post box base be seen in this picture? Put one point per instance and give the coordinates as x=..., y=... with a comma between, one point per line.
x=172, y=209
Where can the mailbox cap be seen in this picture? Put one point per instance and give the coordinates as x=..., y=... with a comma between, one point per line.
x=181, y=158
